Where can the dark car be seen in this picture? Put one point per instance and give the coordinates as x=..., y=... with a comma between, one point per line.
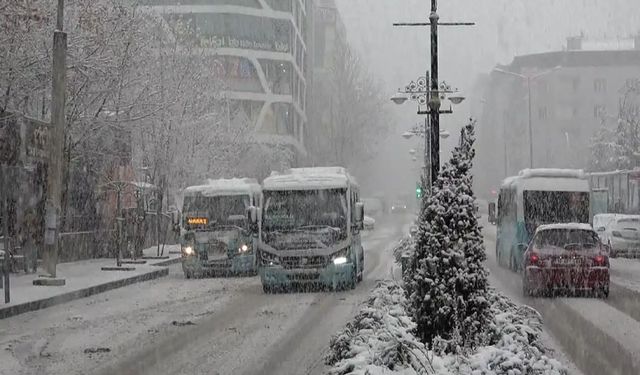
x=566, y=257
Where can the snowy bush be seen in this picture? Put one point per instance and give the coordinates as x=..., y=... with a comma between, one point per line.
x=380, y=340
x=446, y=281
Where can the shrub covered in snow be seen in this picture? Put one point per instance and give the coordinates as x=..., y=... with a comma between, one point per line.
x=380, y=340
x=446, y=281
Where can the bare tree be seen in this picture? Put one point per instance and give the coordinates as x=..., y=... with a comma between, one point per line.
x=617, y=146
x=348, y=113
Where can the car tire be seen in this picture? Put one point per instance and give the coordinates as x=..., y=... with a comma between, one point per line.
x=351, y=284
x=188, y=274
x=267, y=289
x=603, y=292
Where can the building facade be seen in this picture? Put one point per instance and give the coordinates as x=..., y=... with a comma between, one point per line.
x=260, y=48
x=328, y=45
x=566, y=96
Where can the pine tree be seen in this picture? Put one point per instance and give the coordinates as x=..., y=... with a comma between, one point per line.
x=446, y=281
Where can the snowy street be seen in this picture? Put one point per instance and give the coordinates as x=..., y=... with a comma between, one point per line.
x=204, y=326
x=598, y=336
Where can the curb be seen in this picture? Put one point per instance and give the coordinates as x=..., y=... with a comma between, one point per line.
x=165, y=263
x=7, y=312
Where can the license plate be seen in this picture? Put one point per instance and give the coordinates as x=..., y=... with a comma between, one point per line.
x=568, y=262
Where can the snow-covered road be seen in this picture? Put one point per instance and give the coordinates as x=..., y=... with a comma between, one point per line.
x=599, y=336
x=178, y=326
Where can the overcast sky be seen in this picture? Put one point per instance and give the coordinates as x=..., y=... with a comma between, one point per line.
x=505, y=28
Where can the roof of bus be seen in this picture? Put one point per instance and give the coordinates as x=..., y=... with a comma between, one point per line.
x=549, y=180
x=232, y=186
x=309, y=179
x=575, y=226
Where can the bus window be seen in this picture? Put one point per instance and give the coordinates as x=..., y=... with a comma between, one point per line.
x=546, y=207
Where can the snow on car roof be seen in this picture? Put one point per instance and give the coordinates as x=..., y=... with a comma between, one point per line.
x=309, y=179
x=232, y=186
x=568, y=226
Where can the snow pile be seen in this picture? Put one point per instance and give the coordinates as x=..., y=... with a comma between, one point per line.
x=513, y=342
x=380, y=340
x=404, y=248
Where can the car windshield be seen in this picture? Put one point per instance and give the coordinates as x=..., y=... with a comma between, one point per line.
x=562, y=237
x=305, y=210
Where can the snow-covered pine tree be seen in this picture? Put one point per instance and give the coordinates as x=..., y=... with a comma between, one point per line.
x=473, y=308
x=446, y=281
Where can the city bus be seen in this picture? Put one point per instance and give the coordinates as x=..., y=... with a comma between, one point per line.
x=533, y=198
x=311, y=222
x=216, y=236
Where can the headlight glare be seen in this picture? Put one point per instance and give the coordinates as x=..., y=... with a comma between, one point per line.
x=269, y=259
x=188, y=250
x=243, y=249
x=339, y=260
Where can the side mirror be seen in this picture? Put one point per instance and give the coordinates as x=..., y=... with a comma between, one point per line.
x=606, y=248
x=522, y=247
x=359, y=214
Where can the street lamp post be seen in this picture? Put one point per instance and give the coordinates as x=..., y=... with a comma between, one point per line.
x=420, y=91
x=530, y=122
x=426, y=132
x=434, y=97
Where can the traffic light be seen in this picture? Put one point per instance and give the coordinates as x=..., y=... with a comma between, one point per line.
x=418, y=191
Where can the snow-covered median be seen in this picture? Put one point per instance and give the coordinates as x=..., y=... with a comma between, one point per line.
x=379, y=340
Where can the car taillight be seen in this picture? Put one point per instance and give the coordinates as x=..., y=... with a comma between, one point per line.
x=534, y=259
x=615, y=233
x=600, y=260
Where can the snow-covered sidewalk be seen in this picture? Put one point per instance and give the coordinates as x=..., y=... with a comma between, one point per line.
x=82, y=279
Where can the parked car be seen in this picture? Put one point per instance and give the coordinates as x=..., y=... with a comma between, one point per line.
x=369, y=223
x=565, y=257
x=620, y=232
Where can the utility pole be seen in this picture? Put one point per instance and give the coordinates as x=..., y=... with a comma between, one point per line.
x=434, y=101
x=56, y=148
x=530, y=126
x=435, y=92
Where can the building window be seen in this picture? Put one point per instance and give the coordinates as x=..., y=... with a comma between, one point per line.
x=599, y=111
x=543, y=113
x=600, y=85
x=279, y=75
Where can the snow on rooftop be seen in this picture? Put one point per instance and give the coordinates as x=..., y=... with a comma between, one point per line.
x=232, y=186
x=568, y=226
x=309, y=179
